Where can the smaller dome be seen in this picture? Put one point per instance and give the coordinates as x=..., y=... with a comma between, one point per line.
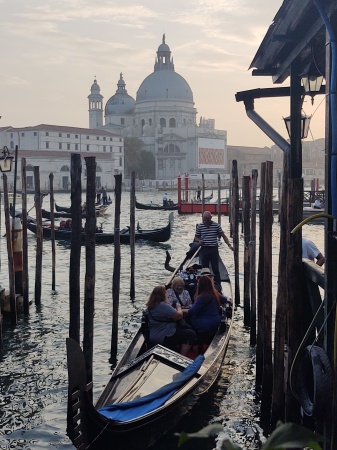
x=120, y=104
x=95, y=86
x=163, y=47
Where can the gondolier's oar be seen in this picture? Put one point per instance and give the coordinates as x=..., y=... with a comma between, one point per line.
x=43, y=196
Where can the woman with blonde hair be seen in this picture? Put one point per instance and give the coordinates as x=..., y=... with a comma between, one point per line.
x=163, y=323
x=178, y=293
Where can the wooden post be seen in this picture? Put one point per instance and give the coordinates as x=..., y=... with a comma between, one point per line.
x=132, y=234
x=203, y=194
x=219, y=199
x=246, y=256
x=117, y=267
x=39, y=236
x=235, y=227
x=25, y=269
x=278, y=403
x=260, y=283
x=52, y=224
x=75, y=249
x=279, y=194
x=267, y=377
x=12, y=296
x=295, y=287
x=16, y=235
x=90, y=269
x=252, y=253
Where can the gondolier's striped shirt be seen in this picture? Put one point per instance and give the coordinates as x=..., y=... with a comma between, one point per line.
x=209, y=235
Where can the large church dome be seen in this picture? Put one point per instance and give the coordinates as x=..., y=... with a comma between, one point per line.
x=121, y=103
x=164, y=82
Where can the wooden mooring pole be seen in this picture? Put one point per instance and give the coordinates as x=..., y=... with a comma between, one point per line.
x=246, y=256
x=90, y=269
x=278, y=403
x=234, y=208
x=52, y=227
x=117, y=267
x=219, y=199
x=203, y=195
x=132, y=233
x=39, y=236
x=75, y=249
x=11, y=275
x=252, y=252
x=267, y=375
x=25, y=268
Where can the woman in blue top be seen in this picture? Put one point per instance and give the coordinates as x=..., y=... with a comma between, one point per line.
x=163, y=322
x=204, y=314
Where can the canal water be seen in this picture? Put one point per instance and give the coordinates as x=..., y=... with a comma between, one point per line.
x=33, y=370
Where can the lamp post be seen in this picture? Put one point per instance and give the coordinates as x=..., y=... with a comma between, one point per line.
x=6, y=160
x=305, y=124
x=312, y=80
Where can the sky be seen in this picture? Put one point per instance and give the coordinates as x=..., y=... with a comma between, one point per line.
x=52, y=50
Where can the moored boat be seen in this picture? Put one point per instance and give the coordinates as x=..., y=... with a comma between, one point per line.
x=57, y=215
x=162, y=234
x=157, y=206
x=150, y=390
x=100, y=209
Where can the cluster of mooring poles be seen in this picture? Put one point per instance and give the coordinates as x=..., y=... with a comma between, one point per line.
x=291, y=366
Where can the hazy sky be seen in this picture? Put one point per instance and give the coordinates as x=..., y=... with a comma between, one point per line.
x=51, y=50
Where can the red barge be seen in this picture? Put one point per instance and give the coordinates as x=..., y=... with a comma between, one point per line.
x=187, y=204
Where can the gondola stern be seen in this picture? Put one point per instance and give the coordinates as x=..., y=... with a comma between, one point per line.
x=79, y=393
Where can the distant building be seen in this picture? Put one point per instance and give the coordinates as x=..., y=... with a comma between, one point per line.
x=50, y=147
x=163, y=116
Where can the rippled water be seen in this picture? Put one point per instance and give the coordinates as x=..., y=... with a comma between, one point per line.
x=33, y=372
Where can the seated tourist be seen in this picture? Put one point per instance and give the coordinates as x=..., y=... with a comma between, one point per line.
x=162, y=323
x=318, y=204
x=204, y=314
x=178, y=293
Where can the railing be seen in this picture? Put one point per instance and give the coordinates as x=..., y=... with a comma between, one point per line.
x=310, y=196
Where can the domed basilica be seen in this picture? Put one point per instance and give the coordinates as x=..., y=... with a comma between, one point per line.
x=163, y=116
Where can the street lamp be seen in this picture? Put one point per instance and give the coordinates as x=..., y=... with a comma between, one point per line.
x=312, y=80
x=6, y=160
x=305, y=123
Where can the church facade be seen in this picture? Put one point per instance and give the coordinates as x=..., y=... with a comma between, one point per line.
x=163, y=116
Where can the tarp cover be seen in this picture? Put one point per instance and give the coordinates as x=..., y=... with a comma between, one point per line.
x=122, y=412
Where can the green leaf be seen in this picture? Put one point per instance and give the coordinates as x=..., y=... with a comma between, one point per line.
x=290, y=435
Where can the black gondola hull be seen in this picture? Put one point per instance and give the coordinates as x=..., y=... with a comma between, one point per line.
x=155, y=207
x=156, y=235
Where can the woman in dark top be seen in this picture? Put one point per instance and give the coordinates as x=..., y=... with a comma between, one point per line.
x=204, y=314
x=163, y=322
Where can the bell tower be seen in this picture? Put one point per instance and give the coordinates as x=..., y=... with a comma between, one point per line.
x=95, y=106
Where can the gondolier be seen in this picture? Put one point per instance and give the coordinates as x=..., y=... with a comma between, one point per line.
x=207, y=234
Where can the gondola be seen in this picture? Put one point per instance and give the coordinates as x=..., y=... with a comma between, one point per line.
x=151, y=389
x=66, y=215
x=101, y=237
x=63, y=210
x=156, y=206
